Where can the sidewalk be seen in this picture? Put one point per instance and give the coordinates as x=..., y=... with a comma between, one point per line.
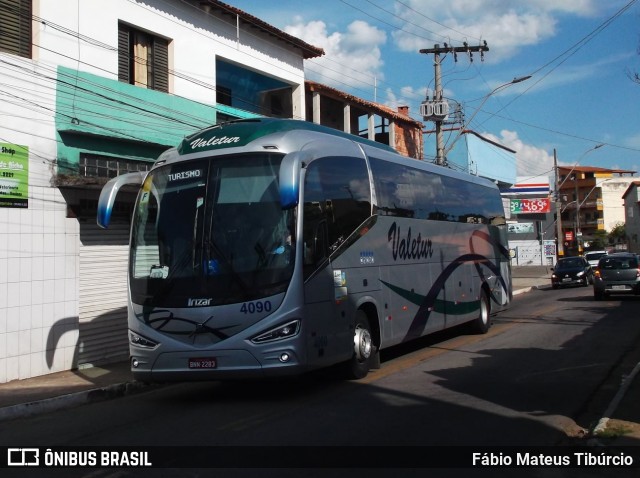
x=525, y=278
x=620, y=424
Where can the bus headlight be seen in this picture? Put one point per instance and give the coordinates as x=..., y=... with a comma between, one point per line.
x=140, y=341
x=280, y=332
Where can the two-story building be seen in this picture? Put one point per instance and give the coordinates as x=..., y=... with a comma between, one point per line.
x=91, y=89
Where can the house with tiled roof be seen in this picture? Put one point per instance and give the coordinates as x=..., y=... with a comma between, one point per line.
x=351, y=114
x=99, y=88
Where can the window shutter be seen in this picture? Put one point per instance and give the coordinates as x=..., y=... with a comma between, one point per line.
x=124, y=63
x=25, y=28
x=161, y=64
x=15, y=27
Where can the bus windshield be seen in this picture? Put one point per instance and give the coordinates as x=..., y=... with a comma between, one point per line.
x=211, y=231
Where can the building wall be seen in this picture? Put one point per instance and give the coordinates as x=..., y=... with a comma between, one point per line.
x=66, y=100
x=530, y=253
x=409, y=142
x=613, y=204
x=632, y=219
x=197, y=40
x=38, y=286
x=38, y=245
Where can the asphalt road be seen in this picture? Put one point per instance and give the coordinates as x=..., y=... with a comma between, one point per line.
x=539, y=377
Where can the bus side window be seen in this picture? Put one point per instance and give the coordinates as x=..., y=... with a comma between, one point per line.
x=337, y=199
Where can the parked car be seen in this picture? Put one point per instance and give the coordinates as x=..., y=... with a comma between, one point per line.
x=593, y=257
x=571, y=271
x=617, y=273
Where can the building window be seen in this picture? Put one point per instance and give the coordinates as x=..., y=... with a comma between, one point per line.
x=15, y=27
x=143, y=59
x=223, y=96
x=109, y=167
x=249, y=90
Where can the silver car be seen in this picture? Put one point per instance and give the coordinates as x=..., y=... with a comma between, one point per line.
x=593, y=257
x=617, y=273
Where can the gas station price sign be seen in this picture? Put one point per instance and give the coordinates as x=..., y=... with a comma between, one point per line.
x=530, y=206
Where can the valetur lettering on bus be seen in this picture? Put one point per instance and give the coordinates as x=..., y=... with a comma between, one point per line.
x=408, y=247
x=201, y=143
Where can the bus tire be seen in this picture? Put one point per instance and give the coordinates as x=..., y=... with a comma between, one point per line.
x=364, y=350
x=482, y=323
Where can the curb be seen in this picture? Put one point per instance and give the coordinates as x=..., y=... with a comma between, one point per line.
x=626, y=383
x=523, y=291
x=93, y=395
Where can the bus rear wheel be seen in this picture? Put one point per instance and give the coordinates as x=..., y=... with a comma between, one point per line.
x=363, y=349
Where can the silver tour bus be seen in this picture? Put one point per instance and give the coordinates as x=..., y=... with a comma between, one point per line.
x=270, y=247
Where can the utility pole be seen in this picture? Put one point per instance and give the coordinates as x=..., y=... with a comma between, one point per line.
x=437, y=97
x=560, y=237
x=577, y=222
x=438, y=109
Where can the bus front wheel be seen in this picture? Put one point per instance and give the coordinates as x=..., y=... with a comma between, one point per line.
x=363, y=348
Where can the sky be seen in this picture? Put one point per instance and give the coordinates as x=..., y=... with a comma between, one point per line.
x=581, y=55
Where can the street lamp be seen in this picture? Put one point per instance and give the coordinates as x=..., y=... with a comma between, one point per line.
x=484, y=100
x=567, y=205
x=598, y=184
x=600, y=145
x=559, y=233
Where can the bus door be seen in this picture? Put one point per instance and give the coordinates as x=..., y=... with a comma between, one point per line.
x=321, y=309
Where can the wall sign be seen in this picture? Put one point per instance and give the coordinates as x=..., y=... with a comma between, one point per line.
x=14, y=175
x=521, y=228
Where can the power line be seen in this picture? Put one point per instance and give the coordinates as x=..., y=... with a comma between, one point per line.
x=464, y=35
x=572, y=50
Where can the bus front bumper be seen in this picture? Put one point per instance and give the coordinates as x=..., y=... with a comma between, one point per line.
x=214, y=365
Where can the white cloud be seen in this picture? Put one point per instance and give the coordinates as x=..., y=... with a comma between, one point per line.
x=531, y=161
x=505, y=25
x=407, y=96
x=633, y=141
x=352, y=58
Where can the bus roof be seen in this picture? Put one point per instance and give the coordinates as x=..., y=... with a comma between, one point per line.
x=242, y=132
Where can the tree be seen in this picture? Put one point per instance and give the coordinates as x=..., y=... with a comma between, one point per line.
x=599, y=240
x=618, y=234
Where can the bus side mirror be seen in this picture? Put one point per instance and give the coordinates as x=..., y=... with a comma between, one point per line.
x=289, y=180
x=109, y=193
